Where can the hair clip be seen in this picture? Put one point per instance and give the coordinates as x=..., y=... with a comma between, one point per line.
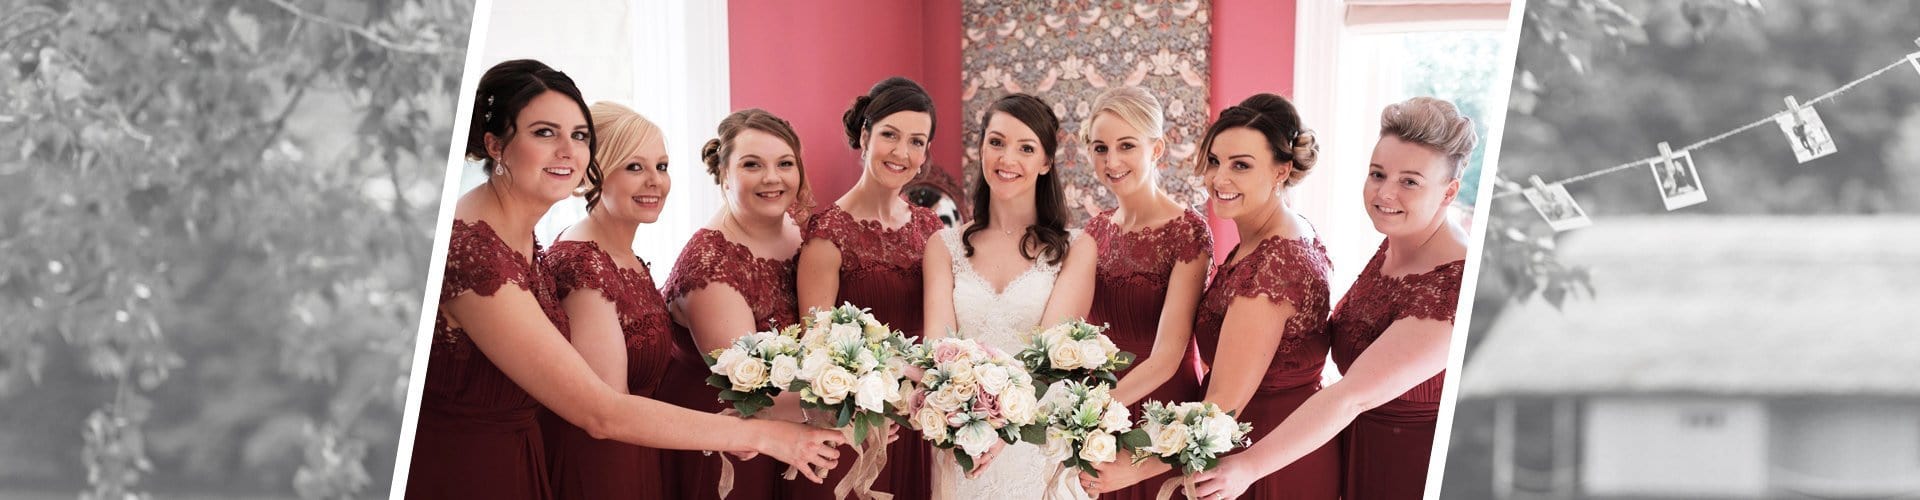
x=488, y=117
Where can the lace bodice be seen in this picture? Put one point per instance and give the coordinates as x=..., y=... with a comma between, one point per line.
x=644, y=323
x=1376, y=301
x=1144, y=257
x=767, y=284
x=1281, y=270
x=1001, y=319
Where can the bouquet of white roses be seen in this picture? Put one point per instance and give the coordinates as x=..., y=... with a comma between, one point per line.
x=1079, y=426
x=971, y=395
x=851, y=368
x=744, y=370
x=1074, y=350
x=1188, y=436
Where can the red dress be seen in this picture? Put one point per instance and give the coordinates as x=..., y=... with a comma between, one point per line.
x=880, y=270
x=477, y=436
x=1387, y=448
x=1130, y=289
x=767, y=285
x=1283, y=271
x=581, y=466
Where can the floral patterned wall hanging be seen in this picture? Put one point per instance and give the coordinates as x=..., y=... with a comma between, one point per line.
x=1066, y=52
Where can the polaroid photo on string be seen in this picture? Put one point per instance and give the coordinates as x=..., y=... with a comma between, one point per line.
x=1805, y=132
x=1677, y=179
x=1555, y=205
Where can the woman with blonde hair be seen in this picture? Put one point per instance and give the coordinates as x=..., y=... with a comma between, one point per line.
x=1261, y=323
x=1153, y=257
x=1391, y=330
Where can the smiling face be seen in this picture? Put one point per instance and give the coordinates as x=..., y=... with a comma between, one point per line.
x=1242, y=174
x=895, y=149
x=548, y=154
x=1012, y=158
x=635, y=188
x=1408, y=187
x=763, y=175
x=1123, y=157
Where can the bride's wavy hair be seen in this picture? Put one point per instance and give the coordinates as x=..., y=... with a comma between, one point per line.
x=1049, y=230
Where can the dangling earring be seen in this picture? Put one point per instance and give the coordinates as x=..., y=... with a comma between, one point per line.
x=500, y=169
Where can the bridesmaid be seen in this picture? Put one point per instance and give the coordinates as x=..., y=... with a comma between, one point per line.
x=1153, y=257
x=500, y=344
x=1391, y=330
x=1262, y=322
x=619, y=323
x=872, y=240
x=736, y=276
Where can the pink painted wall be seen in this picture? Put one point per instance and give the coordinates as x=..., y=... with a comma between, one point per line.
x=1252, y=53
x=806, y=62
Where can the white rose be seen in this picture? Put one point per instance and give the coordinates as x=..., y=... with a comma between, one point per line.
x=993, y=378
x=822, y=316
x=1220, y=430
x=874, y=329
x=1168, y=440
x=932, y=424
x=872, y=394
x=1099, y=448
x=1059, y=446
x=1018, y=406
x=785, y=368
x=845, y=335
x=976, y=438
x=728, y=357
x=1056, y=335
x=815, y=363
x=865, y=361
x=1092, y=354
x=1065, y=356
x=834, y=384
x=946, y=400
x=747, y=375
x=1117, y=417
x=961, y=372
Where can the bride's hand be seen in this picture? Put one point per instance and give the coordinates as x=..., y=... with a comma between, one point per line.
x=980, y=464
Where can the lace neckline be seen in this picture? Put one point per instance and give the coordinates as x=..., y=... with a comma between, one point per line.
x=1380, y=263
x=731, y=246
x=873, y=225
x=480, y=226
x=645, y=267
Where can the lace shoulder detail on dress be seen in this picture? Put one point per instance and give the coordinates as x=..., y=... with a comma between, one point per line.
x=867, y=246
x=1433, y=294
x=581, y=265
x=480, y=262
x=1285, y=270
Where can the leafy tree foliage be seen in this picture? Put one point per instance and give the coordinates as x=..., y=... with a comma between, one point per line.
x=217, y=217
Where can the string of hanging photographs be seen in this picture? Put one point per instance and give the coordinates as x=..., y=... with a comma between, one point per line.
x=1673, y=170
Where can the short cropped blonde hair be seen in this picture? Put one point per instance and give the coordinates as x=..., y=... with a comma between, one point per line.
x=1435, y=124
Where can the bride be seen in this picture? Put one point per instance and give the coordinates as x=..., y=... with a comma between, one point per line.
x=996, y=280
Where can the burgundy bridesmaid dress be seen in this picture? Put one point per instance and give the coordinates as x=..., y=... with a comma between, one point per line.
x=767, y=285
x=1284, y=271
x=580, y=466
x=477, y=436
x=1387, y=448
x=880, y=270
x=1130, y=289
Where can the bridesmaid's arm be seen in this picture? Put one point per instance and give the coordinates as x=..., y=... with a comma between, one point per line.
x=1407, y=354
x=594, y=323
x=510, y=329
x=1175, y=332
x=1248, y=340
x=936, y=275
x=717, y=315
x=818, y=280
x=1249, y=336
x=1072, y=293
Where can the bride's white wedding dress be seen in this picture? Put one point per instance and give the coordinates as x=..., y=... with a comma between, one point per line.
x=1000, y=319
